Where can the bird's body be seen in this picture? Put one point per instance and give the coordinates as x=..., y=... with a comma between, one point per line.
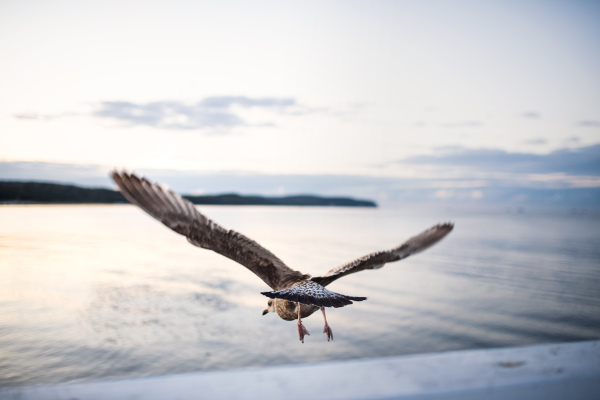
x=294, y=295
x=288, y=310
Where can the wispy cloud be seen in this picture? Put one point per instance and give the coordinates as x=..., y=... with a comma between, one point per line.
x=211, y=112
x=463, y=124
x=538, y=141
x=34, y=117
x=247, y=102
x=531, y=115
x=285, y=105
x=580, y=161
x=589, y=123
x=168, y=115
x=220, y=112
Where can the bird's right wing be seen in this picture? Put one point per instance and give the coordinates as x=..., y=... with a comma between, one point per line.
x=181, y=216
x=376, y=260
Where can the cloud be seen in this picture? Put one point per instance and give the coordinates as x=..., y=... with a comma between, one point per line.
x=581, y=161
x=463, y=124
x=536, y=141
x=589, y=123
x=211, y=112
x=45, y=117
x=246, y=102
x=167, y=115
x=34, y=117
x=531, y=114
x=287, y=106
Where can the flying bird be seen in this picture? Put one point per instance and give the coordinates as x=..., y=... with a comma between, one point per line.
x=294, y=295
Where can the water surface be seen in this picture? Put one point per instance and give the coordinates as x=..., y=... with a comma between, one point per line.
x=89, y=292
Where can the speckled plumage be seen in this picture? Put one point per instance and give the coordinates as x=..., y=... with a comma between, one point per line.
x=311, y=293
x=294, y=294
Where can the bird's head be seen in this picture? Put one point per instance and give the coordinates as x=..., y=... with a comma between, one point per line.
x=270, y=307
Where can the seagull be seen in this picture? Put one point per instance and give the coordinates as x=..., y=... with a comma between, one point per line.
x=294, y=295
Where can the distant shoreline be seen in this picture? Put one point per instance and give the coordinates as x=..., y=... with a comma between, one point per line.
x=28, y=192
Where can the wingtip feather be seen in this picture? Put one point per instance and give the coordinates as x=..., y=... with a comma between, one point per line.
x=269, y=294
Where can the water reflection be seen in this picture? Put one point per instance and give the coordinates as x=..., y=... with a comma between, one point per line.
x=89, y=292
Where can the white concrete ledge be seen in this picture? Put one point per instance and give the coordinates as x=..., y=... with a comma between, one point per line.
x=556, y=371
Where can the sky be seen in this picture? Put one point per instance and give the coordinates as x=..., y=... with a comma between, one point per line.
x=447, y=99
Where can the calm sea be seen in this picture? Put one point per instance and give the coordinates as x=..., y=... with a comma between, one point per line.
x=91, y=292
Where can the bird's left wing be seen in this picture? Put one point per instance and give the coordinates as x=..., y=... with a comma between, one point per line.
x=376, y=260
x=181, y=216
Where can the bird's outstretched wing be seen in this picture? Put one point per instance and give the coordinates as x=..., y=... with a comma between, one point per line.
x=181, y=216
x=378, y=259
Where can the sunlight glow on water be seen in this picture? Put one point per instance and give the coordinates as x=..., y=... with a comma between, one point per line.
x=89, y=292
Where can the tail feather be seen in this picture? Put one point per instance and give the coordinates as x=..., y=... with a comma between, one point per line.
x=312, y=293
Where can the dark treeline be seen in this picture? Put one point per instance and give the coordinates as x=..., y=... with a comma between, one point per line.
x=41, y=192
x=302, y=200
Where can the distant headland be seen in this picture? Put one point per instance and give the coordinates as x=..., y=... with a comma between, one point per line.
x=19, y=192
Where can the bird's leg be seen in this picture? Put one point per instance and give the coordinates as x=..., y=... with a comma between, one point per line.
x=327, y=329
x=301, y=328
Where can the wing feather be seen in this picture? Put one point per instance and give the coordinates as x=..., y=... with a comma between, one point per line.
x=376, y=260
x=312, y=293
x=181, y=216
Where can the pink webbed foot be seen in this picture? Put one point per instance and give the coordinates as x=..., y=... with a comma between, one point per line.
x=327, y=328
x=301, y=328
x=302, y=331
x=328, y=331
